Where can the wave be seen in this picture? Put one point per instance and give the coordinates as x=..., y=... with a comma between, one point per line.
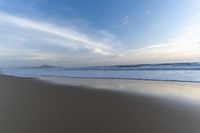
x=180, y=75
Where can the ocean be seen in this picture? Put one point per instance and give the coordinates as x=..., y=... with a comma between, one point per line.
x=182, y=72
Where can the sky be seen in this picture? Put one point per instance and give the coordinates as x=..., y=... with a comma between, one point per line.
x=98, y=32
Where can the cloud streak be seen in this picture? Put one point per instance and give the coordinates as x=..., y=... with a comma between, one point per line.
x=81, y=40
x=185, y=47
x=125, y=20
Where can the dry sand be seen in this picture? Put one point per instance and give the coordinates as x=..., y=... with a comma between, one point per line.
x=32, y=106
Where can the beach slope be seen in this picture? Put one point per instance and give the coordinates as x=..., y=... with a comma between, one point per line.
x=31, y=106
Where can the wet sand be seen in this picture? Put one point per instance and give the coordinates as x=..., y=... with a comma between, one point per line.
x=32, y=106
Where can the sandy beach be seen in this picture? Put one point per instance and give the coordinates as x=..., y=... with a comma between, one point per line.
x=32, y=106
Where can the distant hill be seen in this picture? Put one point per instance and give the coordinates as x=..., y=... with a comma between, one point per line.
x=42, y=66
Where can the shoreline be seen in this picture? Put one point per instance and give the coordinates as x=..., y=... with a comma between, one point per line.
x=131, y=79
x=30, y=105
x=176, y=91
x=109, y=78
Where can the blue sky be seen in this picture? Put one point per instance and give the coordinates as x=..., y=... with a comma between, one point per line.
x=98, y=32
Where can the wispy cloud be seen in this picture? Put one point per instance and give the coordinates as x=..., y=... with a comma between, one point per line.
x=164, y=53
x=68, y=36
x=183, y=47
x=125, y=20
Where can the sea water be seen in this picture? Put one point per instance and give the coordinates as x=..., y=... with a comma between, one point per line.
x=182, y=72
